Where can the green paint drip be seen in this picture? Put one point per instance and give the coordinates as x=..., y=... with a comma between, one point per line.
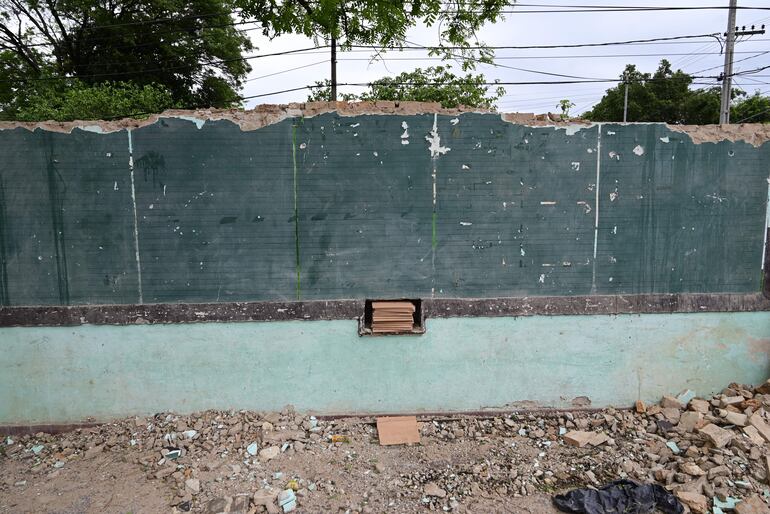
x=296, y=206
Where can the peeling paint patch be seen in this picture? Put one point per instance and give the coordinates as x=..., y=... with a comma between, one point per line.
x=435, y=140
x=96, y=129
x=665, y=139
x=198, y=122
x=639, y=150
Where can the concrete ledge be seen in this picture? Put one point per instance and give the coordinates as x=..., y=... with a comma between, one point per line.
x=53, y=375
x=354, y=309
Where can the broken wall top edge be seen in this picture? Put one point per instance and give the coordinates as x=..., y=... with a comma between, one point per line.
x=268, y=114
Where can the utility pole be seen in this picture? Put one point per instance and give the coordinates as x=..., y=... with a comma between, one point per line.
x=625, y=98
x=334, y=69
x=727, y=76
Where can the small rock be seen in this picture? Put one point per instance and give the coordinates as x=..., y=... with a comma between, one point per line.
x=269, y=453
x=762, y=427
x=752, y=505
x=735, y=418
x=669, y=402
x=698, y=405
x=193, y=485
x=697, y=502
x=580, y=438
x=691, y=469
x=287, y=500
x=431, y=489
x=719, y=437
x=641, y=408
x=690, y=420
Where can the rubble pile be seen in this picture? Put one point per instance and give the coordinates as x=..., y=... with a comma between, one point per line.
x=711, y=453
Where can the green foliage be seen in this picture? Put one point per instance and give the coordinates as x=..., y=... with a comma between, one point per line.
x=190, y=47
x=378, y=22
x=752, y=109
x=666, y=96
x=565, y=105
x=79, y=101
x=433, y=84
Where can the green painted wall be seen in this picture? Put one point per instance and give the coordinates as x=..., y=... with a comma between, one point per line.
x=68, y=373
x=332, y=207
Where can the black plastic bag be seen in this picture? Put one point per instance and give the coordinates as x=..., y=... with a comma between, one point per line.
x=619, y=497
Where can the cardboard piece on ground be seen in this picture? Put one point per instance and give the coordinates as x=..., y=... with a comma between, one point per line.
x=398, y=430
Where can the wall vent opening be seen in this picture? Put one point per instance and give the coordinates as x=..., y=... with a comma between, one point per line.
x=388, y=317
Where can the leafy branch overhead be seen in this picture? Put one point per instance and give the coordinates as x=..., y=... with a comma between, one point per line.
x=381, y=23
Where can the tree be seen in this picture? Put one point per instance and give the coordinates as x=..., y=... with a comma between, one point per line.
x=666, y=96
x=106, y=100
x=190, y=48
x=381, y=23
x=752, y=109
x=565, y=105
x=432, y=84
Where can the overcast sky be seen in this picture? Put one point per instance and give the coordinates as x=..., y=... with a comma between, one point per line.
x=538, y=29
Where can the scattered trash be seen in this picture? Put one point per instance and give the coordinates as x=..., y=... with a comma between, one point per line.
x=172, y=453
x=37, y=449
x=624, y=496
x=674, y=447
x=287, y=500
x=58, y=464
x=252, y=449
x=398, y=430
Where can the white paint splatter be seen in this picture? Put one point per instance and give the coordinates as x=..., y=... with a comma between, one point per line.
x=548, y=203
x=610, y=133
x=542, y=278
x=435, y=141
x=466, y=167
x=590, y=150
x=405, y=126
x=615, y=229
x=302, y=146
x=115, y=186
x=355, y=134
x=586, y=206
x=466, y=223
x=375, y=154
x=354, y=125
x=454, y=121
x=575, y=166
x=404, y=141
x=614, y=155
x=639, y=150
x=614, y=195
x=109, y=154
x=665, y=139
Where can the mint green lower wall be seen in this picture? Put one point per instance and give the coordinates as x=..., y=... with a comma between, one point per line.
x=66, y=374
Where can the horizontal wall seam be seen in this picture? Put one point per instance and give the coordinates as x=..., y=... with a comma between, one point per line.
x=353, y=309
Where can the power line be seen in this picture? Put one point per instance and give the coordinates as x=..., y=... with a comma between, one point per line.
x=285, y=71
x=168, y=68
x=584, y=56
x=760, y=54
x=753, y=116
x=606, y=9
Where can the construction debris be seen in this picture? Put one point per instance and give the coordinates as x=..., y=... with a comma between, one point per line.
x=398, y=430
x=231, y=462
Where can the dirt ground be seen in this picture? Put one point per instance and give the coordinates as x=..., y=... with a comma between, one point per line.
x=355, y=476
x=218, y=462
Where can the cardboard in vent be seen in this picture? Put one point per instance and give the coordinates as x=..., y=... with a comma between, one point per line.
x=390, y=317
